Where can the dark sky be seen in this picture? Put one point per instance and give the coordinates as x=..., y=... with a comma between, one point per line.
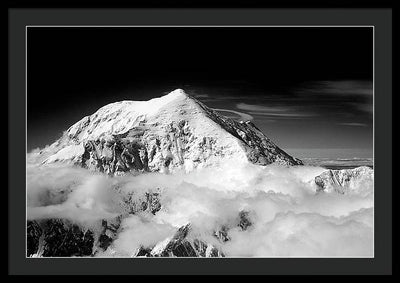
x=308, y=89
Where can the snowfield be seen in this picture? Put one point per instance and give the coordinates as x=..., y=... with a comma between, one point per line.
x=171, y=177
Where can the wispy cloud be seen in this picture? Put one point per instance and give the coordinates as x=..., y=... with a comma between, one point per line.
x=340, y=87
x=368, y=108
x=274, y=112
x=201, y=95
x=351, y=96
x=284, y=115
x=243, y=116
x=260, y=108
x=353, y=124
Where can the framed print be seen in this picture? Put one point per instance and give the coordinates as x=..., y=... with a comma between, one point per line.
x=200, y=141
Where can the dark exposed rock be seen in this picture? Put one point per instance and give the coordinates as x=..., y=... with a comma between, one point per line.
x=153, y=202
x=175, y=244
x=34, y=232
x=149, y=202
x=183, y=249
x=104, y=241
x=206, y=250
x=244, y=220
x=115, y=157
x=320, y=183
x=143, y=252
x=108, y=233
x=222, y=234
x=58, y=238
x=181, y=246
x=64, y=239
x=200, y=247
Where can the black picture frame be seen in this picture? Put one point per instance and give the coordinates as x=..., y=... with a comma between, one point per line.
x=21, y=14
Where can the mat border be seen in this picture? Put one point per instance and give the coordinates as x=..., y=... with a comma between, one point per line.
x=201, y=26
x=380, y=19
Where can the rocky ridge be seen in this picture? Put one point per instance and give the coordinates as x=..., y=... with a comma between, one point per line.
x=344, y=181
x=62, y=238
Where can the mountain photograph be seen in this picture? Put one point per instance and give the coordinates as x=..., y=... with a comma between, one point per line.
x=198, y=142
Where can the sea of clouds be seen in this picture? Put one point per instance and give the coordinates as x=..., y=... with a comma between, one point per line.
x=288, y=217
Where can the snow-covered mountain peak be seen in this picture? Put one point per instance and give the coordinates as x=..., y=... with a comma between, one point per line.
x=171, y=131
x=176, y=94
x=119, y=117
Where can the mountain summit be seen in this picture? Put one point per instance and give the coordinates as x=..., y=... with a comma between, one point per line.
x=162, y=134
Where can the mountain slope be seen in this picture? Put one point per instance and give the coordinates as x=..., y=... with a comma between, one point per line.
x=163, y=134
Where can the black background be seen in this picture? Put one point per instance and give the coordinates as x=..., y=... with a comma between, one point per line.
x=73, y=71
x=66, y=64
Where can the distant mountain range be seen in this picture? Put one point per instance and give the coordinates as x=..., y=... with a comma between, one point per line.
x=339, y=163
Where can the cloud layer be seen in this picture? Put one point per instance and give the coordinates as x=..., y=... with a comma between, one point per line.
x=289, y=218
